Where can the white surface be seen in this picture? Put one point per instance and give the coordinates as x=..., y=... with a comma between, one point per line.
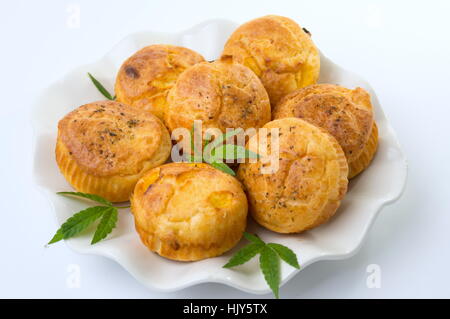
x=338, y=239
x=399, y=47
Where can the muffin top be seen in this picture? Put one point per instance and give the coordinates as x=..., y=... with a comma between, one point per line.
x=189, y=211
x=144, y=78
x=308, y=184
x=177, y=192
x=279, y=51
x=107, y=138
x=346, y=114
x=220, y=94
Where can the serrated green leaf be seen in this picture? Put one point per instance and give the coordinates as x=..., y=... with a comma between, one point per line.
x=58, y=236
x=223, y=167
x=101, y=88
x=286, y=254
x=82, y=220
x=244, y=254
x=269, y=263
x=269, y=259
x=233, y=152
x=253, y=238
x=92, y=197
x=106, y=225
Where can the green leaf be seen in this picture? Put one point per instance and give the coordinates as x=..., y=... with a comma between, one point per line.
x=206, y=141
x=286, y=254
x=233, y=152
x=269, y=259
x=82, y=220
x=269, y=263
x=224, y=137
x=250, y=154
x=101, y=88
x=194, y=159
x=253, y=238
x=223, y=167
x=122, y=207
x=192, y=138
x=58, y=236
x=244, y=254
x=93, y=197
x=106, y=225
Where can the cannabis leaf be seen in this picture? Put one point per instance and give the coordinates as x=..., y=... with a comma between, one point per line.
x=101, y=88
x=223, y=167
x=106, y=225
x=230, y=151
x=83, y=219
x=269, y=259
x=269, y=262
x=216, y=152
x=286, y=254
x=253, y=238
x=92, y=197
x=244, y=255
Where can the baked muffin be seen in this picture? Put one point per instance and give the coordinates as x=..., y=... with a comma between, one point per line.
x=189, y=211
x=145, y=78
x=220, y=94
x=104, y=147
x=346, y=114
x=279, y=51
x=311, y=179
x=365, y=158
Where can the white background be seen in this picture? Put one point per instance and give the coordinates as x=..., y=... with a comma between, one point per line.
x=401, y=47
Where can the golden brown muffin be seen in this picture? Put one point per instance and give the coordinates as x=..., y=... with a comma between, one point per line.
x=145, y=78
x=366, y=156
x=104, y=147
x=346, y=114
x=279, y=51
x=220, y=94
x=306, y=189
x=188, y=211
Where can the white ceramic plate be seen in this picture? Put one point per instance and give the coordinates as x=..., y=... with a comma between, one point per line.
x=380, y=184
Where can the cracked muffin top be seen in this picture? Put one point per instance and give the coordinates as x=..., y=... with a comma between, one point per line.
x=305, y=189
x=189, y=211
x=279, y=51
x=107, y=138
x=345, y=113
x=220, y=94
x=145, y=78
